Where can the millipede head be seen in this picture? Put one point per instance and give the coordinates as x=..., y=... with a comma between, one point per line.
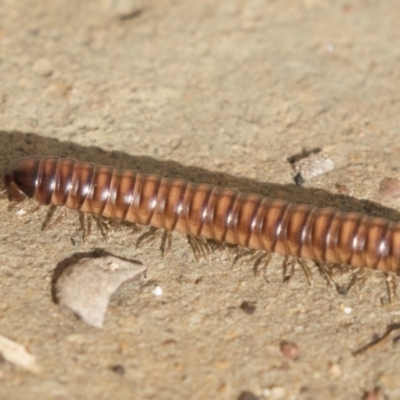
x=20, y=178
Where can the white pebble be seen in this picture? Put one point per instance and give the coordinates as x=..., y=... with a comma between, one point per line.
x=43, y=67
x=157, y=291
x=313, y=165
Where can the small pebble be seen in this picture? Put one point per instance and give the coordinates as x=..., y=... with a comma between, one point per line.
x=246, y=395
x=313, y=165
x=58, y=90
x=157, y=291
x=43, y=67
x=118, y=369
x=389, y=188
x=334, y=370
x=375, y=394
x=275, y=393
x=290, y=349
x=124, y=9
x=248, y=307
x=344, y=189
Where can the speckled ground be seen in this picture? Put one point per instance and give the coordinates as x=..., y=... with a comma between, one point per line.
x=222, y=92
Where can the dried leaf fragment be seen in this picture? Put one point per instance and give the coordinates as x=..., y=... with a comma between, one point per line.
x=85, y=287
x=17, y=354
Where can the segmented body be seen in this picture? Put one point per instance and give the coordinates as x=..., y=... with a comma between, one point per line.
x=205, y=211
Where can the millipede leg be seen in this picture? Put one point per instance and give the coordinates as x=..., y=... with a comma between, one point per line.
x=48, y=218
x=344, y=290
x=148, y=237
x=193, y=244
x=85, y=221
x=166, y=243
x=263, y=260
x=50, y=214
x=325, y=270
x=243, y=253
x=204, y=248
x=306, y=270
x=102, y=227
x=201, y=249
x=288, y=260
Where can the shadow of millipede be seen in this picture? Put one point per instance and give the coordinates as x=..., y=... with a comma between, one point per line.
x=16, y=145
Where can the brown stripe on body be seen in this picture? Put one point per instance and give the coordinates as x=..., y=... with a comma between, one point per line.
x=148, y=198
x=124, y=196
x=376, y=233
x=174, y=205
x=64, y=174
x=207, y=229
x=394, y=247
x=132, y=214
x=81, y=186
x=109, y=206
x=296, y=234
x=222, y=213
x=46, y=180
x=232, y=232
x=319, y=228
x=157, y=219
x=100, y=190
x=331, y=238
x=183, y=208
x=281, y=231
x=247, y=212
x=254, y=240
x=350, y=240
x=199, y=200
x=275, y=209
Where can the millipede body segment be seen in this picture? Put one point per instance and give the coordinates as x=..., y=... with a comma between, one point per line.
x=206, y=211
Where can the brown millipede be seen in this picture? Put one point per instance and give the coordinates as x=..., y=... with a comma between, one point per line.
x=205, y=211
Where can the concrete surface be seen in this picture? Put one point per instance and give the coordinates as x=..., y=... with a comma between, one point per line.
x=222, y=92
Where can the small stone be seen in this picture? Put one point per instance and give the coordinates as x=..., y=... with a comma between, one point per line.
x=389, y=188
x=58, y=90
x=313, y=165
x=375, y=394
x=275, y=393
x=344, y=189
x=290, y=349
x=157, y=291
x=118, y=369
x=334, y=370
x=248, y=307
x=123, y=9
x=246, y=395
x=43, y=67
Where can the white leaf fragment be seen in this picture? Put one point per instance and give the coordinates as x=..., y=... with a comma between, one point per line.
x=17, y=354
x=85, y=287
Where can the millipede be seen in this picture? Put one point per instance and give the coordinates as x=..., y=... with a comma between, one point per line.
x=204, y=211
